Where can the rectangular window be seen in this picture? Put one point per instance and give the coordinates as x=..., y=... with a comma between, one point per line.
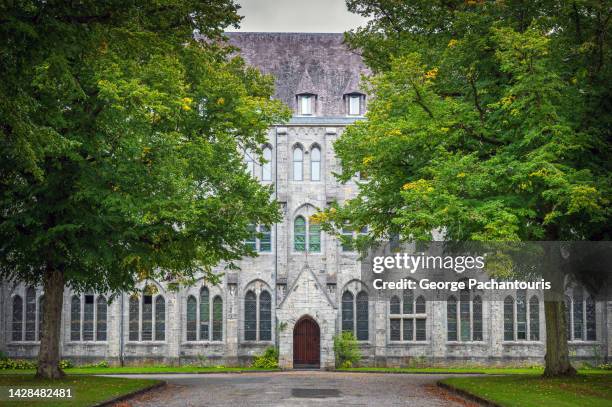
x=251, y=241
x=147, y=318
x=347, y=235
x=354, y=105
x=395, y=325
x=88, y=318
x=265, y=242
x=306, y=105
x=451, y=318
x=408, y=329
x=464, y=314
x=314, y=238
x=420, y=330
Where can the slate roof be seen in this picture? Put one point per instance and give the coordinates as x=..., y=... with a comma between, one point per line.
x=317, y=63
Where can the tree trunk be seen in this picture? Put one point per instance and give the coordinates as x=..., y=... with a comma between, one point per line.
x=557, y=351
x=49, y=353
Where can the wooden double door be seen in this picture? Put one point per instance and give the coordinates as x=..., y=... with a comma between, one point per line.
x=306, y=344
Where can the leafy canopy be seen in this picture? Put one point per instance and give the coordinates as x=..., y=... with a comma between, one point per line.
x=122, y=139
x=489, y=120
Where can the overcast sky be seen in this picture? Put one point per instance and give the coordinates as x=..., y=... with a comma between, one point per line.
x=297, y=15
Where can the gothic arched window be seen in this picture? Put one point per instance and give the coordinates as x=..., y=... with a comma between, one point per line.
x=250, y=316
x=265, y=316
x=192, y=326
x=314, y=237
x=521, y=317
x=266, y=166
x=134, y=315
x=315, y=164
x=580, y=314
x=362, y=316
x=204, y=314
x=250, y=162
x=464, y=317
x=147, y=318
x=408, y=319
x=101, y=312
x=299, y=234
x=41, y=305
x=160, y=318
x=17, y=318
x=217, y=328
x=88, y=318
x=534, y=319
x=347, y=312
x=451, y=318
x=508, y=319
x=298, y=164
x=30, y=323
x=75, y=318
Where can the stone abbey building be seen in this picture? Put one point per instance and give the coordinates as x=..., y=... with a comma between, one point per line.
x=304, y=287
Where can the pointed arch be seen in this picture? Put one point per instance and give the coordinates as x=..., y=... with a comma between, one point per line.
x=362, y=311
x=299, y=234
x=250, y=316
x=298, y=162
x=204, y=297
x=315, y=163
x=192, y=305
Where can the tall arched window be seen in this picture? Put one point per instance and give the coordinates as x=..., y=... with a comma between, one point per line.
x=315, y=164
x=75, y=318
x=134, y=318
x=192, y=327
x=265, y=316
x=101, y=313
x=464, y=317
x=451, y=318
x=298, y=164
x=160, y=318
x=204, y=314
x=17, y=318
x=217, y=331
x=302, y=229
x=88, y=318
x=147, y=318
x=41, y=305
x=150, y=323
x=534, y=319
x=580, y=314
x=347, y=311
x=30, y=324
x=250, y=316
x=362, y=316
x=509, y=319
x=521, y=317
x=257, y=316
x=266, y=166
x=299, y=234
x=314, y=237
x=407, y=317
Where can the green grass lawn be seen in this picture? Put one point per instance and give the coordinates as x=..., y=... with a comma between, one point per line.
x=591, y=390
x=86, y=390
x=145, y=369
x=475, y=370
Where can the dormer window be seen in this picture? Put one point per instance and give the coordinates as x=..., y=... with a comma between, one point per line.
x=354, y=104
x=306, y=104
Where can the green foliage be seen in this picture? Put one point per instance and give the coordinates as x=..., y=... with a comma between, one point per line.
x=102, y=364
x=489, y=120
x=346, y=350
x=268, y=360
x=122, y=139
x=17, y=364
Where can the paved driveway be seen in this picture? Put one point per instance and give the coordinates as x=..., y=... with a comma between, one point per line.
x=297, y=388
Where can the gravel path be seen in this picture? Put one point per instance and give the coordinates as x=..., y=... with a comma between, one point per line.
x=297, y=388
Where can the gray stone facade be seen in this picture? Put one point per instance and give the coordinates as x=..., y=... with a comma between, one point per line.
x=300, y=283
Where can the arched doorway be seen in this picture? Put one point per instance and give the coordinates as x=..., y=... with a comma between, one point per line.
x=306, y=344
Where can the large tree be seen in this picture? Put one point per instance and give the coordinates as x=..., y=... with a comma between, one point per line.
x=489, y=121
x=121, y=147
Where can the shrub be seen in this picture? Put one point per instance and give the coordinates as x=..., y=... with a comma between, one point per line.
x=17, y=364
x=103, y=363
x=269, y=359
x=605, y=366
x=346, y=350
x=65, y=364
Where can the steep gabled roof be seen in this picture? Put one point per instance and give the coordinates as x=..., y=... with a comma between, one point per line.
x=316, y=63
